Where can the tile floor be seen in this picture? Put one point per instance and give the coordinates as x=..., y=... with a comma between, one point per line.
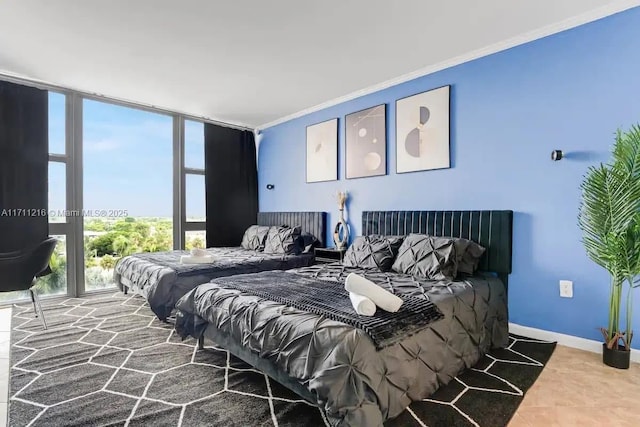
x=575, y=389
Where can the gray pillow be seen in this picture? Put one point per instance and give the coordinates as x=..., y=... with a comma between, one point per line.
x=468, y=254
x=375, y=252
x=427, y=257
x=283, y=240
x=254, y=237
x=307, y=242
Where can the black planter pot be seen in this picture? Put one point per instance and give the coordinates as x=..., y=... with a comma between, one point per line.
x=616, y=358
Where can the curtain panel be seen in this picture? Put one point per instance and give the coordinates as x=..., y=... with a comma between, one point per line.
x=24, y=166
x=231, y=184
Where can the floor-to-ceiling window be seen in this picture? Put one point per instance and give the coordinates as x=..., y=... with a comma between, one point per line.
x=127, y=186
x=194, y=227
x=121, y=179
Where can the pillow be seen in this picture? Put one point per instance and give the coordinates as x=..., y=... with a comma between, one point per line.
x=282, y=240
x=307, y=242
x=376, y=252
x=468, y=254
x=427, y=257
x=254, y=237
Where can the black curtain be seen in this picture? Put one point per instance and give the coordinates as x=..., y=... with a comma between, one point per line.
x=231, y=182
x=24, y=166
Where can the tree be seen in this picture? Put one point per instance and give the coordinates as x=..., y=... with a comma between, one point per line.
x=196, y=242
x=126, y=227
x=136, y=241
x=121, y=245
x=102, y=245
x=94, y=225
x=108, y=262
x=159, y=241
x=141, y=228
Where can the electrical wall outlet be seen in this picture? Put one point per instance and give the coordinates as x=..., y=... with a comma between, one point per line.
x=566, y=288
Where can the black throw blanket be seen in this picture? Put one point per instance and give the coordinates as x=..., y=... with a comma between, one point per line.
x=330, y=299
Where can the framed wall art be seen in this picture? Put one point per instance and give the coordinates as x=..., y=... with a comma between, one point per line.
x=422, y=131
x=322, y=151
x=366, y=142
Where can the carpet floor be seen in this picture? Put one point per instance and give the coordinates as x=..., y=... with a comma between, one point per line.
x=107, y=361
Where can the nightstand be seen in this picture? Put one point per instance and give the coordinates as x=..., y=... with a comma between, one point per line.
x=325, y=255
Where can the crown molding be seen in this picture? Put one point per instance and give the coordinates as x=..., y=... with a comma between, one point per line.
x=575, y=21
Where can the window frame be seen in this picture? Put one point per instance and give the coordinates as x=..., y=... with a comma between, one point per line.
x=185, y=171
x=73, y=227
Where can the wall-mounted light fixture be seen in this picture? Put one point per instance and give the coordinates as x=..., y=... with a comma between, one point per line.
x=270, y=186
x=556, y=155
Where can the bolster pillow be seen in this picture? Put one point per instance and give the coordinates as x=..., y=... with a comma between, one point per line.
x=380, y=297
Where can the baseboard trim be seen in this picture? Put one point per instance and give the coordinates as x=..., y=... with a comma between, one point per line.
x=566, y=340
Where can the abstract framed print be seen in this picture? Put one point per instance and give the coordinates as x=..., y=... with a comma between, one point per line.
x=366, y=142
x=422, y=131
x=322, y=151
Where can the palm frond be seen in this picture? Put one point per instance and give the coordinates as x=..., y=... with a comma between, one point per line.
x=609, y=217
x=626, y=151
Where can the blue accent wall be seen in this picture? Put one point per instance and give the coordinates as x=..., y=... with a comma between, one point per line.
x=569, y=91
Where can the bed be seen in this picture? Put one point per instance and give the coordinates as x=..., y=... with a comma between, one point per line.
x=162, y=279
x=337, y=366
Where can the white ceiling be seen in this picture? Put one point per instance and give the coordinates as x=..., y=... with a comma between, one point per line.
x=253, y=62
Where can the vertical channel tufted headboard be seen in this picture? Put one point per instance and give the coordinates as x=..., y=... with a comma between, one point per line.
x=491, y=229
x=311, y=222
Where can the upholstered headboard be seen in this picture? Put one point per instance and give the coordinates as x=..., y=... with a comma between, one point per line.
x=311, y=222
x=491, y=229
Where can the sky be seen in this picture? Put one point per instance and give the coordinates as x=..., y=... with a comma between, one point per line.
x=127, y=160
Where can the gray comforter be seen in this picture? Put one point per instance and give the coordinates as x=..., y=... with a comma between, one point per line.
x=337, y=365
x=162, y=279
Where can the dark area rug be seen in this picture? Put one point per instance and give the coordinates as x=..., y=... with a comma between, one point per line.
x=107, y=360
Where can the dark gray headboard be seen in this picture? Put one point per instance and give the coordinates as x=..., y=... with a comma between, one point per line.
x=311, y=222
x=491, y=229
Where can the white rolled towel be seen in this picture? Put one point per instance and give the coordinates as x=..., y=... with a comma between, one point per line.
x=197, y=252
x=189, y=259
x=362, y=305
x=380, y=297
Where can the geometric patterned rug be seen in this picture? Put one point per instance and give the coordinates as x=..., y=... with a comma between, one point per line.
x=107, y=360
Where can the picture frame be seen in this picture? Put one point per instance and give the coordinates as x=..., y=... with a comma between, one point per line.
x=322, y=151
x=423, y=131
x=366, y=142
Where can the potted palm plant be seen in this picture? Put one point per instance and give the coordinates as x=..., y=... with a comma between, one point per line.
x=609, y=218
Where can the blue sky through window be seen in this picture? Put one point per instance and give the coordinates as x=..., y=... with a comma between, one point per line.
x=56, y=123
x=128, y=159
x=193, y=144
